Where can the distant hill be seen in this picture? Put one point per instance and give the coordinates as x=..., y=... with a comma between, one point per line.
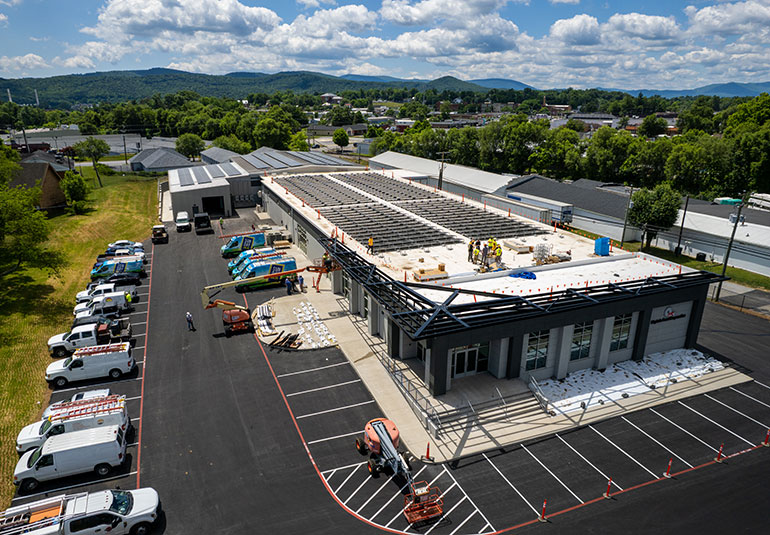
x=119, y=86
x=729, y=89
x=501, y=83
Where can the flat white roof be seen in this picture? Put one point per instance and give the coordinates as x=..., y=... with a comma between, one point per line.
x=585, y=266
x=722, y=227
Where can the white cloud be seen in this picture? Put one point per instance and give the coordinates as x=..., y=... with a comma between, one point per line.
x=3, y=19
x=452, y=12
x=564, y=1
x=647, y=27
x=22, y=63
x=729, y=18
x=579, y=30
x=10, y=2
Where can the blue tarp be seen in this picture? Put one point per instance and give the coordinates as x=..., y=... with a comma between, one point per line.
x=524, y=275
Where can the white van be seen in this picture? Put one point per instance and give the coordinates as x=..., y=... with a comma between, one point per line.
x=112, y=361
x=82, y=397
x=106, y=288
x=103, y=305
x=183, y=221
x=75, y=417
x=100, y=450
x=118, y=512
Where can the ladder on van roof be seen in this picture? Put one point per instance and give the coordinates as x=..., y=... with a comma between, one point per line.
x=99, y=406
x=95, y=350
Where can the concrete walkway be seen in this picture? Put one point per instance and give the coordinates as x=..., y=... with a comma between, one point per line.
x=744, y=298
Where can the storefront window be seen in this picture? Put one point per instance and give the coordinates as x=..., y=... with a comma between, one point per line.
x=537, y=349
x=620, y=332
x=581, y=340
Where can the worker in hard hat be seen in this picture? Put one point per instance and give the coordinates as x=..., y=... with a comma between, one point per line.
x=498, y=255
x=370, y=246
x=471, y=246
x=476, y=253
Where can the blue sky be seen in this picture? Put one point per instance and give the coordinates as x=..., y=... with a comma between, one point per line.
x=545, y=43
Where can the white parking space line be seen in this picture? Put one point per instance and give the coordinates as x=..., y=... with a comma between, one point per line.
x=334, y=437
x=484, y=528
x=132, y=444
x=751, y=398
x=554, y=475
x=716, y=424
x=135, y=419
x=469, y=498
x=396, y=494
x=642, y=431
x=462, y=523
x=589, y=463
x=133, y=398
x=510, y=484
x=375, y=493
x=335, y=410
x=685, y=430
x=447, y=514
x=94, y=386
x=323, y=388
x=74, y=486
x=134, y=324
x=138, y=348
x=312, y=369
x=765, y=426
x=346, y=480
x=760, y=384
x=401, y=512
x=364, y=482
x=143, y=312
x=623, y=452
x=332, y=470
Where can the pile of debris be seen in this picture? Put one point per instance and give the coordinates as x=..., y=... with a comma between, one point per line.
x=312, y=331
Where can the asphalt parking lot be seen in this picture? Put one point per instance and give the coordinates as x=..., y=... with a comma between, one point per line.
x=238, y=437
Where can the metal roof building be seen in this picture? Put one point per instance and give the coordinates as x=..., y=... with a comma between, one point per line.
x=204, y=188
x=214, y=155
x=158, y=160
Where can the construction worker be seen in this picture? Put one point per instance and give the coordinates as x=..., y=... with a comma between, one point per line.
x=370, y=246
x=128, y=300
x=221, y=224
x=189, y=318
x=471, y=246
x=485, y=254
x=498, y=255
x=476, y=253
x=327, y=261
x=289, y=285
x=301, y=282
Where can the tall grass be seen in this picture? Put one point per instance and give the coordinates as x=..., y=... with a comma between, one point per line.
x=35, y=304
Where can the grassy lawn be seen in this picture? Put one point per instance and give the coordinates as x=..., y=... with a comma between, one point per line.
x=740, y=276
x=35, y=305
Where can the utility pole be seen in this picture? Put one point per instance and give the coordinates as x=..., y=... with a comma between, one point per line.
x=441, y=170
x=729, y=247
x=125, y=152
x=625, y=220
x=678, y=249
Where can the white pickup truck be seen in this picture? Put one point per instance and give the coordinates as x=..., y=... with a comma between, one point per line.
x=101, y=289
x=93, y=334
x=119, y=512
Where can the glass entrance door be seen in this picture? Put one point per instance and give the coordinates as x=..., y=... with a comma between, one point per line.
x=464, y=361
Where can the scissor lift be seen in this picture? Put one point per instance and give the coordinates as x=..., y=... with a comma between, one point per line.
x=380, y=441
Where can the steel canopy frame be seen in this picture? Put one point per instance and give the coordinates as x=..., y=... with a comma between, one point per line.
x=420, y=317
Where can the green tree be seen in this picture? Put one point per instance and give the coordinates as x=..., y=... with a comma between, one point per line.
x=558, y=156
x=190, y=145
x=93, y=149
x=606, y=153
x=231, y=142
x=299, y=142
x=8, y=164
x=272, y=133
x=654, y=210
x=76, y=190
x=652, y=126
x=373, y=131
x=338, y=116
x=24, y=231
x=577, y=125
x=340, y=137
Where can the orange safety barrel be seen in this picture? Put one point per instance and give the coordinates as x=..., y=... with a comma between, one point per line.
x=373, y=441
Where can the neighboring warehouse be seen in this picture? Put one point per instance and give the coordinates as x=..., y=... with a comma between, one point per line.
x=214, y=155
x=236, y=182
x=158, y=160
x=573, y=310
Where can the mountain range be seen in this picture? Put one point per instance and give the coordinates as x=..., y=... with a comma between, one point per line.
x=117, y=86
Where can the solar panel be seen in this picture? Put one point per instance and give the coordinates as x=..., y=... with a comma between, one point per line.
x=284, y=159
x=256, y=162
x=215, y=171
x=331, y=160
x=185, y=179
x=229, y=169
x=201, y=176
x=311, y=158
x=272, y=162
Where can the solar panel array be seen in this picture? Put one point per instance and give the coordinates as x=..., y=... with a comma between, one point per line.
x=201, y=176
x=468, y=220
x=386, y=188
x=185, y=179
x=229, y=169
x=391, y=230
x=319, y=191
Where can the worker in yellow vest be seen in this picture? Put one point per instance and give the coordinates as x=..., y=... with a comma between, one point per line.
x=498, y=255
x=476, y=253
x=470, y=250
x=370, y=247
